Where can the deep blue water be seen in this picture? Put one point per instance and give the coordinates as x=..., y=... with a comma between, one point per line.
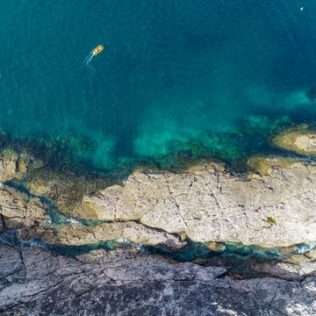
x=208, y=78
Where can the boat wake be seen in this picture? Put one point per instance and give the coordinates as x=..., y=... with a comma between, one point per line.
x=89, y=58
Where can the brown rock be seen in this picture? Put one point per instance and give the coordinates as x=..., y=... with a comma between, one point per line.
x=8, y=165
x=100, y=206
x=67, y=191
x=20, y=212
x=77, y=234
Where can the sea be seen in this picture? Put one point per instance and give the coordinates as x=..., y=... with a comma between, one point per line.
x=178, y=80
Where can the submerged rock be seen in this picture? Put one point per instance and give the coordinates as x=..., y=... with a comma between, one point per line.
x=301, y=141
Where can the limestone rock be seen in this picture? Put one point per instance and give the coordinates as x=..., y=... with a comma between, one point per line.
x=100, y=206
x=156, y=190
x=266, y=166
x=311, y=255
x=205, y=204
x=209, y=204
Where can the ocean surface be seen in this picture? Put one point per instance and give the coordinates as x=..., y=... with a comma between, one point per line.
x=178, y=79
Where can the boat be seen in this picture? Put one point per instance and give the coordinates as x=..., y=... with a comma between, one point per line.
x=97, y=50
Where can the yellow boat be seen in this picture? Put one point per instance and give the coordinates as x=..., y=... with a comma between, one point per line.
x=97, y=50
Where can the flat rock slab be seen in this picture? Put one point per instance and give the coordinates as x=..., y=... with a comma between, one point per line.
x=208, y=203
x=204, y=204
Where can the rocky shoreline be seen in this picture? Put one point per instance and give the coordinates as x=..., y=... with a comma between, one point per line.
x=206, y=204
x=271, y=208
x=36, y=282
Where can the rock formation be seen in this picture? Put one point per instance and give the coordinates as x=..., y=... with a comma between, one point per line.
x=208, y=204
x=272, y=208
x=300, y=140
x=36, y=282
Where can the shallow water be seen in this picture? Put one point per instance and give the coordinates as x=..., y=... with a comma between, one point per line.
x=204, y=78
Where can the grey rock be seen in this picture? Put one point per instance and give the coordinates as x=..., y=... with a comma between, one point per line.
x=126, y=283
x=292, y=268
x=10, y=261
x=11, y=266
x=1, y=223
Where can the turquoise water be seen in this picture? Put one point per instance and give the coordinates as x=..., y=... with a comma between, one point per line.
x=197, y=77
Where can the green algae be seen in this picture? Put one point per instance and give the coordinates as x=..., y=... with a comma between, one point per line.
x=236, y=257
x=231, y=147
x=271, y=220
x=172, y=148
x=9, y=153
x=195, y=251
x=77, y=250
x=191, y=252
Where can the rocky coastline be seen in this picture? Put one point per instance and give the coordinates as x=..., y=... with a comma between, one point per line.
x=271, y=209
x=36, y=282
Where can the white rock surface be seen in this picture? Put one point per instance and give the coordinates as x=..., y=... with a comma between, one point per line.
x=208, y=203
